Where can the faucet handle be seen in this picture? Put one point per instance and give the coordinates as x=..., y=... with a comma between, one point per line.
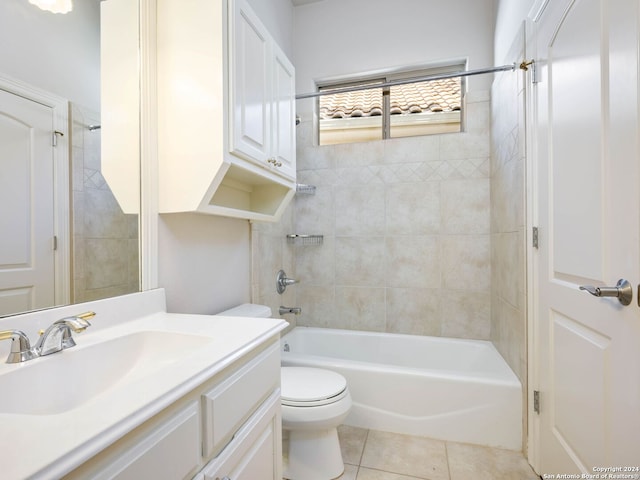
x=282, y=281
x=81, y=321
x=58, y=336
x=21, y=350
x=78, y=323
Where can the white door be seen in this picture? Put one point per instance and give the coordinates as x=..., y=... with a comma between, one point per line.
x=27, y=205
x=587, y=156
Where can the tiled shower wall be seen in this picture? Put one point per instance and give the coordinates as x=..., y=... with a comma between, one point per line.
x=508, y=220
x=270, y=253
x=406, y=228
x=105, y=240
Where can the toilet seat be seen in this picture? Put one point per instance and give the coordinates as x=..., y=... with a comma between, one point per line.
x=311, y=387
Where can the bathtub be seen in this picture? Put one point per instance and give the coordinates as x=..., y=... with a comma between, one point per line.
x=444, y=388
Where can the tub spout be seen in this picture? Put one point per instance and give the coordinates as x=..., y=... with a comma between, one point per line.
x=287, y=310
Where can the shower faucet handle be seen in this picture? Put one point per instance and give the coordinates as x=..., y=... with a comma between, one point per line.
x=282, y=281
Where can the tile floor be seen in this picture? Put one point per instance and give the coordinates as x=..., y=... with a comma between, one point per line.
x=375, y=455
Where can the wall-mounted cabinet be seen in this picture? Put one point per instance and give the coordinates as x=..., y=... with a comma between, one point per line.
x=226, y=118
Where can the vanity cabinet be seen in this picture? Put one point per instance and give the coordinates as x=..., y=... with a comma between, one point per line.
x=230, y=426
x=226, y=112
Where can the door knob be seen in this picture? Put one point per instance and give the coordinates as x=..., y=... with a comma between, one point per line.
x=623, y=291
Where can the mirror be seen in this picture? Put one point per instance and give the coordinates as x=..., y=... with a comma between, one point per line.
x=94, y=246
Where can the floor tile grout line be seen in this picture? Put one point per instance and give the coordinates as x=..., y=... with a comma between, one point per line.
x=446, y=454
x=412, y=477
x=364, y=445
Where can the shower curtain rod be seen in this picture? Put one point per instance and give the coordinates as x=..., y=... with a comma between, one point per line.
x=404, y=81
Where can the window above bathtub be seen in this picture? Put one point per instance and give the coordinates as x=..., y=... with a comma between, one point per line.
x=405, y=110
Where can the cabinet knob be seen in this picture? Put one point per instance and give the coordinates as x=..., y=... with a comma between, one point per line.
x=278, y=164
x=272, y=161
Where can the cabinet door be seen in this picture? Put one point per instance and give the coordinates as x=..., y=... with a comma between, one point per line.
x=256, y=450
x=283, y=114
x=249, y=83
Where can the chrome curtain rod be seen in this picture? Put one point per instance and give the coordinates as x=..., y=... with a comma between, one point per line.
x=404, y=81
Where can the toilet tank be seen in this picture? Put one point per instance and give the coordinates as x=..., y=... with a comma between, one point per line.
x=248, y=310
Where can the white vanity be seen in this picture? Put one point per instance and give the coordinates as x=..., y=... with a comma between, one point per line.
x=144, y=394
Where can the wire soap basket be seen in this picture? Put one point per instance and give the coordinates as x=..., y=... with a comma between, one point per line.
x=293, y=239
x=305, y=189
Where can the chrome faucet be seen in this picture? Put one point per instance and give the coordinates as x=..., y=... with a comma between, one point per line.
x=286, y=310
x=21, y=350
x=59, y=337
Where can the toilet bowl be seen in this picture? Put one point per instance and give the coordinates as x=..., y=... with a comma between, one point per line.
x=314, y=402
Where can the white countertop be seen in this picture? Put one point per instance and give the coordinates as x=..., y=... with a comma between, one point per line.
x=51, y=445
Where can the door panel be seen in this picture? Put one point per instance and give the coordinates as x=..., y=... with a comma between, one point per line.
x=26, y=194
x=588, y=183
x=580, y=393
x=574, y=66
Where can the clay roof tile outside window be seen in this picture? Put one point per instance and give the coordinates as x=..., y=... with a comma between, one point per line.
x=434, y=96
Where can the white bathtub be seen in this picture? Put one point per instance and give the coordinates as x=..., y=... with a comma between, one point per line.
x=445, y=388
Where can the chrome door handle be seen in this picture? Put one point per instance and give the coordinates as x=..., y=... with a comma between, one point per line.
x=623, y=291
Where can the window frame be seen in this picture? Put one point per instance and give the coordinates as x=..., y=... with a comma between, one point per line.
x=410, y=73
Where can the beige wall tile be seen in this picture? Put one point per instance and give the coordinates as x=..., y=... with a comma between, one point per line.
x=478, y=117
x=466, y=314
x=360, y=210
x=318, y=306
x=106, y=262
x=464, y=145
x=316, y=214
x=361, y=308
x=413, y=208
x=413, y=261
x=411, y=149
x=466, y=263
x=465, y=206
x=508, y=305
x=360, y=261
x=414, y=311
x=315, y=264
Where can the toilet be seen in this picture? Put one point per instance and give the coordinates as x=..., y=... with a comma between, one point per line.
x=314, y=402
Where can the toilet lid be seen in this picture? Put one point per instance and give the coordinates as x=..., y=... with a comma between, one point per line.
x=310, y=385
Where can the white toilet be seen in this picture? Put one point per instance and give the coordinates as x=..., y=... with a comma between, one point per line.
x=314, y=402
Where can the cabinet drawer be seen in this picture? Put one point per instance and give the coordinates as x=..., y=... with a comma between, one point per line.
x=227, y=406
x=170, y=451
x=255, y=452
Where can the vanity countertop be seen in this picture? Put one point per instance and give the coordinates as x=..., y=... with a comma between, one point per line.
x=50, y=444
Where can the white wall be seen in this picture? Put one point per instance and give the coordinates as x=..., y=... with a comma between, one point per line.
x=204, y=262
x=509, y=17
x=277, y=16
x=342, y=37
x=57, y=53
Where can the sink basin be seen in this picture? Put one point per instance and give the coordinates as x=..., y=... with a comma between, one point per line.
x=63, y=381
